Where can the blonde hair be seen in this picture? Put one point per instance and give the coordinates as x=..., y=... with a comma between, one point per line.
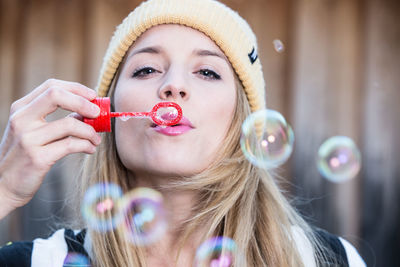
x=235, y=199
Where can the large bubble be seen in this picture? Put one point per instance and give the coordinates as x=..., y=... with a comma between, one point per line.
x=339, y=159
x=100, y=206
x=267, y=140
x=218, y=252
x=145, y=218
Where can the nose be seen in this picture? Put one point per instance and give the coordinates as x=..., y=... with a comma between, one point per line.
x=174, y=88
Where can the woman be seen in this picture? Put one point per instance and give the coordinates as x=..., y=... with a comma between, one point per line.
x=203, y=56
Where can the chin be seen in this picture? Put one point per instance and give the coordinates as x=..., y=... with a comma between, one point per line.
x=171, y=167
x=166, y=162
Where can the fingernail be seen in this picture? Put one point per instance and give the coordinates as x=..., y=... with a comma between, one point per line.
x=92, y=93
x=96, y=109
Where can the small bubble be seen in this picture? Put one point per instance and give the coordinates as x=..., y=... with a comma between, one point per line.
x=339, y=159
x=99, y=206
x=145, y=220
x=105, y=205
x=74, y=259
x=218, y=252
x=278, y=45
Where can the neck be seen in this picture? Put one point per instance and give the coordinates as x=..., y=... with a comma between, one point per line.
x=178, y=205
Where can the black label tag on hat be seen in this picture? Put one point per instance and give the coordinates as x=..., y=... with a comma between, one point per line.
x=253, y=55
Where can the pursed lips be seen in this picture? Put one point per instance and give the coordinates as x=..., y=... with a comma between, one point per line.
x=182, y=127
x=183, y=122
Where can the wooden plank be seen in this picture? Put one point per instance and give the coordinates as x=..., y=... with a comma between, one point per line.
x=37, y=65
x=39, y=46
x=100, y=30
x=344, y=111
x=10, y=12
x=11, y=33
x=381, y=185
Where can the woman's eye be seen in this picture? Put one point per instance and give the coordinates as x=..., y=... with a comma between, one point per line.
x=143, y=72
x=209, y=74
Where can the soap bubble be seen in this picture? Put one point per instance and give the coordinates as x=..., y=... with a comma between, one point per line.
x=100, y=206
x=278, y=45
x=266, y=140
x=145, y=219
x=167, y=114
x=339, y=159
x=74, y=259
x=218, y=252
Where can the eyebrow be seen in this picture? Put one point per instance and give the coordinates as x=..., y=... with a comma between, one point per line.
x=202, y=52
x=159, y=50
x=149, y=50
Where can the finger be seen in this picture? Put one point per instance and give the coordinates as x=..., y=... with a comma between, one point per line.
x=76, y=116
x=73, y=87
x=56, y=97
x=69, y=145
x=59, y=129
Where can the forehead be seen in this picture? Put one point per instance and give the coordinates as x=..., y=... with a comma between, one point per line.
x=175, y=36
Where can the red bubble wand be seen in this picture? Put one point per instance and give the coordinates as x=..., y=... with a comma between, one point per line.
x=172, y=114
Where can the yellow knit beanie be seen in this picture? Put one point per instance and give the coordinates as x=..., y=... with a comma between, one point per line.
x=223, y=25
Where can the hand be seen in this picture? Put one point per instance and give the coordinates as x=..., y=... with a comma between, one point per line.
x=31, y=145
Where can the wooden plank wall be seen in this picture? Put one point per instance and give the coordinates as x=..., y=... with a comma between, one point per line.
x=338, y=74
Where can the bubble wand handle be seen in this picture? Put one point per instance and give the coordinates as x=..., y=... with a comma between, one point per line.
x=130, y=114
x=103, y=122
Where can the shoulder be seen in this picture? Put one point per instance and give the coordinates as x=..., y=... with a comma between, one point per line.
x=341, y=249
x=51, y=251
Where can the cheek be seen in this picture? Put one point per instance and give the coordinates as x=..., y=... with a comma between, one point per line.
x=220, y=115
x=224, y=108
x=125, y=141
x=129, y=95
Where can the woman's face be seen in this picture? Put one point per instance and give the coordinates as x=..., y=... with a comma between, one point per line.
x=179, y=64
